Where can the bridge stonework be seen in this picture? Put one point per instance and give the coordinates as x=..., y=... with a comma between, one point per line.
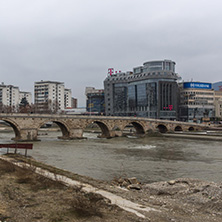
x=26, y=126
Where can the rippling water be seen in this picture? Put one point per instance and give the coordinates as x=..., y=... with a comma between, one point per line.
x=149, y=159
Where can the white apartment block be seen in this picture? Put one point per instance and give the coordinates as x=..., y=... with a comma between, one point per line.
x=27, y=95
x=49, y=95
x=68, y=98
x=9, y=95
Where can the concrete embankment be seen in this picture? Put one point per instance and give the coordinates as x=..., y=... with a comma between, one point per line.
x=217, y=137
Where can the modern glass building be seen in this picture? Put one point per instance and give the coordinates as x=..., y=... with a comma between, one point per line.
x=149, y=91
x=95, y=100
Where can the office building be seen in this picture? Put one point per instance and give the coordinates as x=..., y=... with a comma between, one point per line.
x=196, y=101
x=95, y=100
x=217, y=86
x=150, y=91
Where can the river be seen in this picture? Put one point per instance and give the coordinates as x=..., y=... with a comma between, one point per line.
x=149, y=159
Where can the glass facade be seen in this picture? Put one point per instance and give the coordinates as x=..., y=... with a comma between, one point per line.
x=95, y=102
x=143, y=99
x=132, y=97
x=120, y=98
x=141, y=96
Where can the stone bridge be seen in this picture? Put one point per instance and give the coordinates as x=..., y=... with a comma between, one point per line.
x=26, y=126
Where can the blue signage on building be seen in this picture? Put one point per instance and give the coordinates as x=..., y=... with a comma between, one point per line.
x=197, y=85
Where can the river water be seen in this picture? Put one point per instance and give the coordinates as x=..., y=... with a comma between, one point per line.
x=149, y=159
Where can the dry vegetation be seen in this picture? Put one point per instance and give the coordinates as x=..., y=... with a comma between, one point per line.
x=26, y=196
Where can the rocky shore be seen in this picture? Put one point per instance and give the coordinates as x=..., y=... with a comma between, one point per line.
x=27, y=195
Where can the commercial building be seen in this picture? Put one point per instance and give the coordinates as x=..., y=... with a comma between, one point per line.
x=49, y=96
x=217, y=86
x=196, y=101
x=150, y=91
x=95, y=100
x=218, y=104
x=218, y=100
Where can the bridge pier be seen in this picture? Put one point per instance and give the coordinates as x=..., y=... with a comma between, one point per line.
x=27, y=135
x=74, y=133
x=115, y=133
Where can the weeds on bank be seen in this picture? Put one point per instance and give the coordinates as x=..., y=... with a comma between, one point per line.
x=6, y=167
x=36, y=182
x=85, y=204
x=80, y=204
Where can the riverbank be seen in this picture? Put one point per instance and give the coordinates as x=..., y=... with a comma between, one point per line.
x=29, y=196
x=216, y=137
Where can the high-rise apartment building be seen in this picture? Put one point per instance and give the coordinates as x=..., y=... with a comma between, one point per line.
x=67, y=98
x=150, y=91
x=9, y=95
x=10, y=98
x=49, y=96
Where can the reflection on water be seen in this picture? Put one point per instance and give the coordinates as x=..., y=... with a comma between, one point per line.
x=149, y=159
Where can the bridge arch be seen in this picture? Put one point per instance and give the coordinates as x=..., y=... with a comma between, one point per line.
x=137, y=126
x=63, y=127
x=105, y=132
x=162, y=128
x=178, y=128
x=15, y=127
x=104, y=128
x=191, y=128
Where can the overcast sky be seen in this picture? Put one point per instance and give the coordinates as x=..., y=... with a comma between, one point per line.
x=76, y=41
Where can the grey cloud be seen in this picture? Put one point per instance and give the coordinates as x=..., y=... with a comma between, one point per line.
x=77, y=41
